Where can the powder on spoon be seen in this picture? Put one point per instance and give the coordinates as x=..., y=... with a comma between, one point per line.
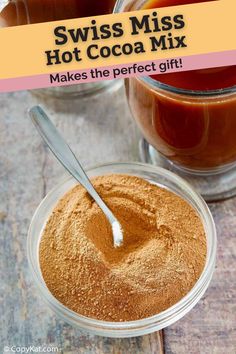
x=160, y=260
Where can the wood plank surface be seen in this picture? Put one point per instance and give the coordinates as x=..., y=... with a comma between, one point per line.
x=99, y=130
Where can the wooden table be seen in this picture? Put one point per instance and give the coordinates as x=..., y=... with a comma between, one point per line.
x=99, y=130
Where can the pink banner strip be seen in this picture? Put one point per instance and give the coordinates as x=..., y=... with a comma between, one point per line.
x=195, y=62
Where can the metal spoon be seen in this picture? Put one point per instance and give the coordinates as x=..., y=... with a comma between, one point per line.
x=63, y=153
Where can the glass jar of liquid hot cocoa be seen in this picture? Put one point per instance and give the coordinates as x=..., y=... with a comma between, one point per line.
x=188, y=119
x=21, y=12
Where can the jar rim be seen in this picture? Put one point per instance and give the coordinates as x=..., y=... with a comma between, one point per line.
x=129, y=328
x=155, y=84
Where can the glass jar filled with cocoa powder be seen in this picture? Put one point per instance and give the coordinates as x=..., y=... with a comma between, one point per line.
x=157, y=176
x=187, y=118
x=21, y=12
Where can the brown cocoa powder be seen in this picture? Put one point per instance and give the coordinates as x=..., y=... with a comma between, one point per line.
x=162, y=257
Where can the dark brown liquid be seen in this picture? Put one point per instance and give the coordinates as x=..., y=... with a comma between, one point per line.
x=195, y=132
x=36, y=11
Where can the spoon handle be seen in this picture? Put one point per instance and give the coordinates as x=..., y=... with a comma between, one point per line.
x=63, y=153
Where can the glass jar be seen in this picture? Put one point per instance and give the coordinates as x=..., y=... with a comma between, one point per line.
x=190, y=131
x=154, y=175
x=21, y=12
